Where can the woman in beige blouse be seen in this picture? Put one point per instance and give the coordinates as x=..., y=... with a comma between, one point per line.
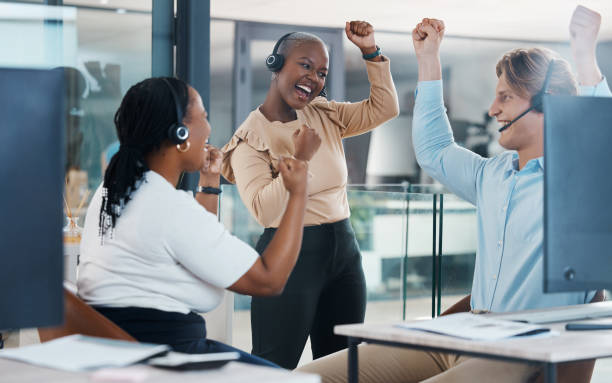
x=327, y=286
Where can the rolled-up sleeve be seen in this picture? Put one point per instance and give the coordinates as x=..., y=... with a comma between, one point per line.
x=436, y=151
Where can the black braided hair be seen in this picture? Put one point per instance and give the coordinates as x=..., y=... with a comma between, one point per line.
x=142, y=121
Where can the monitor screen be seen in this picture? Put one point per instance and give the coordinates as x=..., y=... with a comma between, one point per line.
x=577, y=193
x=32, y=174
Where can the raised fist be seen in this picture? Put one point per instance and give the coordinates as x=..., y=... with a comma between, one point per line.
x=212, y=161
x=361, y=33
x=584, y=28
x=427, y=37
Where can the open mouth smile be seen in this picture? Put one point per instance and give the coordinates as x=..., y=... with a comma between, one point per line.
x=303, y=91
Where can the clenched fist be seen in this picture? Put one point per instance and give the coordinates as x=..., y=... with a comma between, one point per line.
x=212, y=161
x=306, y=142
x=427, y=37
x=584, y=27
x=294, y=173
x=361, y=33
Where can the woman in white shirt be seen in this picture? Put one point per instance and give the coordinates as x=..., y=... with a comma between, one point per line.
x=152, y=256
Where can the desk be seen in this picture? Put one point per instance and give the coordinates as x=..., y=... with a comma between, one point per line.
x=233, y=372
x=568, y=346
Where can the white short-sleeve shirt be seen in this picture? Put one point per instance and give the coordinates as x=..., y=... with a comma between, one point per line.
x=166, y=252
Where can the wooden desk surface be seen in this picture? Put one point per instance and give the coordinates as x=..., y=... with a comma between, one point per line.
x=234, y=372
x=565, y=347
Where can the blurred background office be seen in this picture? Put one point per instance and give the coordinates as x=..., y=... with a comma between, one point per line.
x=105, y=46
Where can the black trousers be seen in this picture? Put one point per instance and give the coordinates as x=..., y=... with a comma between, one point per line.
x=182, y=332
x=326, y=288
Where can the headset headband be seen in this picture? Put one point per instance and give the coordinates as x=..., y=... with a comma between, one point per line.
x=179, y=113
x=278, y=43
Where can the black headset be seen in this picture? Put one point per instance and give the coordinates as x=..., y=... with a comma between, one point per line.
x=537, y=99
x=177, y=132
x=275, y=60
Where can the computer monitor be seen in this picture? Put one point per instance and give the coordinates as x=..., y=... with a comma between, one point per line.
x=32, y=176
x=577, y=193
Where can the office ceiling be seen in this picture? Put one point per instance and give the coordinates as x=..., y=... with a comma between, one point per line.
x=532, y=20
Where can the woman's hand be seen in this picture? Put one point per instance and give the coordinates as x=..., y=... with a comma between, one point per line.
x=295, y=175
x=306, y=142
x=361, y=33
x=210, y=172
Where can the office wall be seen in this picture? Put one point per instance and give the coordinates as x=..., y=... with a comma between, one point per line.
x=469, y=86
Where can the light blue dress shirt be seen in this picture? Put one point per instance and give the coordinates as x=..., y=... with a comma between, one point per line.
x=509, y=273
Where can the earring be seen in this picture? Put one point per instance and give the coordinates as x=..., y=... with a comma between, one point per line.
x=180, y=149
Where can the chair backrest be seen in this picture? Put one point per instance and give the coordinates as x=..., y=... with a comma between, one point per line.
x=80, y=318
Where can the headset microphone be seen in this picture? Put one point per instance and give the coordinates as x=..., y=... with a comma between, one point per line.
x=516, y=119
x=536, y=100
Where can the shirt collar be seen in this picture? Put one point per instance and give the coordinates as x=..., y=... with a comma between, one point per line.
x=538, y=163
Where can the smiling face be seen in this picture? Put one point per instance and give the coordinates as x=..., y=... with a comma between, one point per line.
x=303, y=74
x=507, y=105
x=196, y=119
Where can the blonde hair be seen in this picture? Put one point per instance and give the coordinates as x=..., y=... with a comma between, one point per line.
x=525, y=70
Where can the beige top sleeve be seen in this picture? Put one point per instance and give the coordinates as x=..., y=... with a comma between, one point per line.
x=264, y=195
x=382, y=105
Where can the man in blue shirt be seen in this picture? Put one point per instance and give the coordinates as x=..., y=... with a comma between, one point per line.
x=507, y=191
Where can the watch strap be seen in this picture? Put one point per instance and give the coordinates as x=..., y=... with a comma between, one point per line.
x=208, y=190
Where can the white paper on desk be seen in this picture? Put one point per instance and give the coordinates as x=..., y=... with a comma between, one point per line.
x=476, y=327
x=81, y=353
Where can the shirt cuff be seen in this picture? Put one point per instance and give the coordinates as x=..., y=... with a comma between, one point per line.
x=429, y=92
x=601, y=89
x=378, y=70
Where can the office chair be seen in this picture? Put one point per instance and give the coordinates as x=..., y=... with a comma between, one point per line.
x=80, y=318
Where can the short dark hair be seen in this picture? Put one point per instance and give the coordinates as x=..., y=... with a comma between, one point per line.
x=297, y=38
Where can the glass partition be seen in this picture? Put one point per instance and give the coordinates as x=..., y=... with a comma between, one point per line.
x=102, y=53
x=459, y=234
x=418, y=244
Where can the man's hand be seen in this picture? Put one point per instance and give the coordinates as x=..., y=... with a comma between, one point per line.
x=426, y=38
x=584, y=28
x=306, y=142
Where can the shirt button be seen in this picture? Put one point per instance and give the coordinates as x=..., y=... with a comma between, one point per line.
x=494, y=277
x=499, y=243
x=504, y=208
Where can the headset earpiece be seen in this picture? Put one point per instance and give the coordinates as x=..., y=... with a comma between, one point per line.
x=275, y=61
x=536, y=101
x=538, y=98
x=178, y=133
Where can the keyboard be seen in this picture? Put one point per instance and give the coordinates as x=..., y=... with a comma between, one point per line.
x=560, y=314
